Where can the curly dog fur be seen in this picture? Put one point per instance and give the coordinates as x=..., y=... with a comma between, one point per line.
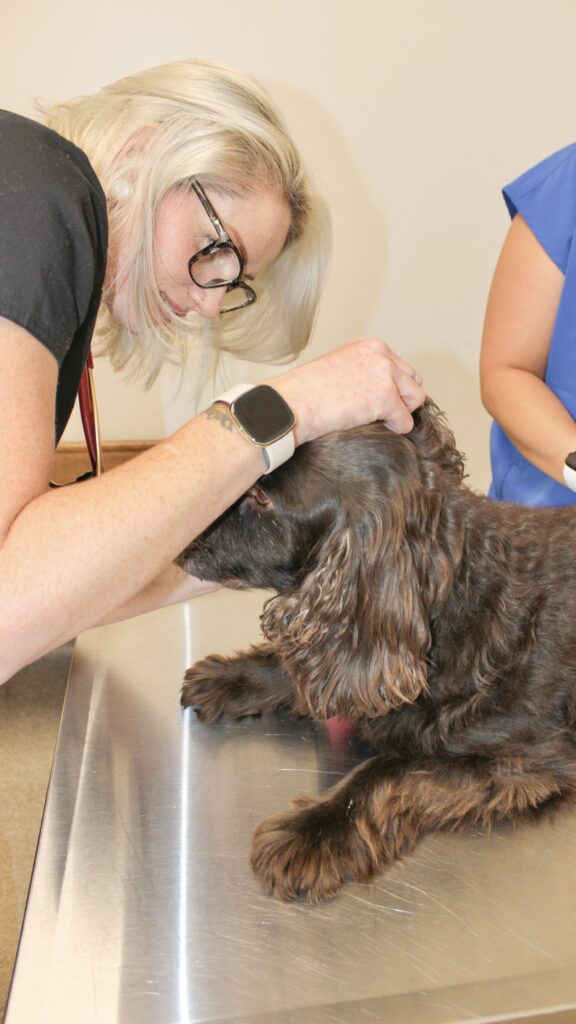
x=439, y=620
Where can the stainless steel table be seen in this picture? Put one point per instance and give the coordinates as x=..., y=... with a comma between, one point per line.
x=143, y=909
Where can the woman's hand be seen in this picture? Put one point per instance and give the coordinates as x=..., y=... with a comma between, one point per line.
x=360, y=382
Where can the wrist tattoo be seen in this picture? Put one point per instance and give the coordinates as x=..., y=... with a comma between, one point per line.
x=221, y=413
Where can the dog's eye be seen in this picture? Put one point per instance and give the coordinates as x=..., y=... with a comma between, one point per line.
x=259, y=496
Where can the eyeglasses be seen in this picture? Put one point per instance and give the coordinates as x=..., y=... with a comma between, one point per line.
x=220, y=263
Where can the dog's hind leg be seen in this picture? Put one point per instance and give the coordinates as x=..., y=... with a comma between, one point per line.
x=377, y=814
x=248, y=684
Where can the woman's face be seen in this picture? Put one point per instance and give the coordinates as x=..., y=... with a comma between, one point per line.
x=257, y=223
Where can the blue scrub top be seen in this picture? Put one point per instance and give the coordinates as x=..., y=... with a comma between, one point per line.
x=546, y=198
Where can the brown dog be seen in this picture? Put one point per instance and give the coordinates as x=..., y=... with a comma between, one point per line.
x=439, y=620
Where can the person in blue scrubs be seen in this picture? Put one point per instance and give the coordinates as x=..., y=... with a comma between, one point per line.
x=528, y=356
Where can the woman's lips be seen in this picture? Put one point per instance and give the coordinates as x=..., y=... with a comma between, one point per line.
x=173, y=306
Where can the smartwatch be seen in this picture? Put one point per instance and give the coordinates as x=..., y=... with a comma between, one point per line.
x=570, y=471
x=263, y=418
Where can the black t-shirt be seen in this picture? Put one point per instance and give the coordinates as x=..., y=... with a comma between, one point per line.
x=53, y=244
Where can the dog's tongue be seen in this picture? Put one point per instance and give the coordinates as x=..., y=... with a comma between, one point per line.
x=339, y=731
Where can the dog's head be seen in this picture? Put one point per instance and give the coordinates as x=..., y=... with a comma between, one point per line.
x=352, y=533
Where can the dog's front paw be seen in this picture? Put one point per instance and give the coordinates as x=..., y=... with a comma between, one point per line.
x=313, y=851
x=217, y=686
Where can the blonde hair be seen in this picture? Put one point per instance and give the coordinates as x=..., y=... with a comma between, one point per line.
x=218, y=125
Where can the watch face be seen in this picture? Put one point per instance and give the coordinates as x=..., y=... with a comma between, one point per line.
x=263, y=414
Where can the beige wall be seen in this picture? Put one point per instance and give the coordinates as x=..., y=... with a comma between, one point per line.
x=411, y=115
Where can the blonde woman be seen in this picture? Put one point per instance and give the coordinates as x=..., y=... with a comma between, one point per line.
x=171, y=199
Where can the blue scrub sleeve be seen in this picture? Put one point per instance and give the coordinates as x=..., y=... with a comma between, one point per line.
x=545, y=196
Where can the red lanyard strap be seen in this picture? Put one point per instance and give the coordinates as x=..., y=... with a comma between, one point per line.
x=89, y=415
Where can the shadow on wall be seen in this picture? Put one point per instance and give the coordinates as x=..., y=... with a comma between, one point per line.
x=358, y=223
x=451, y=383
x=360, y=227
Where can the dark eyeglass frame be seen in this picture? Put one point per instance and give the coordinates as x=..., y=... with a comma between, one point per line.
x=224, y=242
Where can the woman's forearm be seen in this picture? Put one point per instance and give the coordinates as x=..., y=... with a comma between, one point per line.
x=74, y=556
x=172, y=586
x=532, y=416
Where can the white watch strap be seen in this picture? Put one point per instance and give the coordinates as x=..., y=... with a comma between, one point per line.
x=570, y=477
x=235, y=392
x=277, y=452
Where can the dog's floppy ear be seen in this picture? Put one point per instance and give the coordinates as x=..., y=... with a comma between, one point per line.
x=354, y=636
